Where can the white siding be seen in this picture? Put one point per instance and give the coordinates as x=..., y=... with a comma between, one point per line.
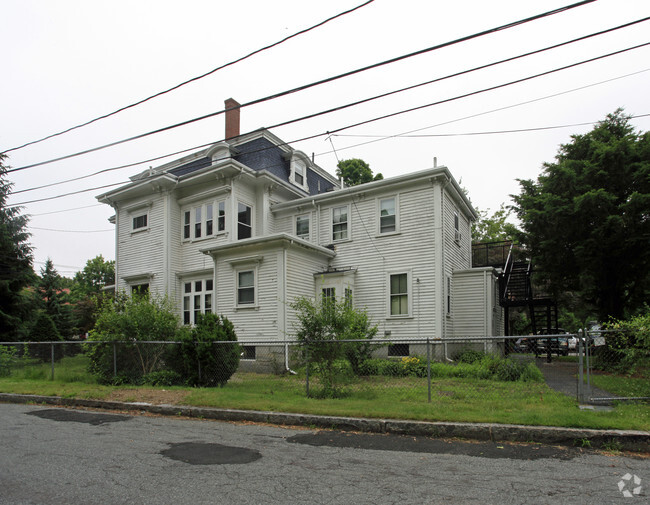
x=301, y=267
x=410, y=251
x=475, y=308
x=141, y=251
x=260, y=321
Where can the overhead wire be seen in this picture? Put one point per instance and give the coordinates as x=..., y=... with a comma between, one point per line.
x=311, y=85
x=517, y=81
x=495, y=132
x=193, y=79
x=498, y=109
x=376, y=97
x=72, y=231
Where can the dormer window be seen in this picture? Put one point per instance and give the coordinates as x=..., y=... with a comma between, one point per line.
x=299, y=164
x=299, y=174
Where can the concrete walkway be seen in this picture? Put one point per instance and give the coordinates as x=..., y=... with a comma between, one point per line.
x=562, y=376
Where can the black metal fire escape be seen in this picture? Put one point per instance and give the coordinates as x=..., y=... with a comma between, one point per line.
x=516, y=287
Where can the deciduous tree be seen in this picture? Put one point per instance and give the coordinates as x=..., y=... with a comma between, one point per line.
x=355, y=171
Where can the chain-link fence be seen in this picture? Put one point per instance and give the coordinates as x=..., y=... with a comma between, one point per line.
x=590, y=367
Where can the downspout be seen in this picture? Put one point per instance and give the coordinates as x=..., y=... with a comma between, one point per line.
x=284, y=308
x=444, y=264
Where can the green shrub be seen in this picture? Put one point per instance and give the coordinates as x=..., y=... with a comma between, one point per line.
x=7, y=359
x=490, y=367
x=369, y=367
x=163, y=378
x=531, y=373
x=206, y=357
x=509, y=370
x=44, y=330
x=628, y=349
x=414, y=366
x=321, y=326
x=121, y=326
x=468, y=355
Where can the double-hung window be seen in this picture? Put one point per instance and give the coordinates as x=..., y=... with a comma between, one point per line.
x=244, y=221
x=197, y=299
x=199, y=221
x=340, y=222
x=388, y=215
x=299, y=174
x=221, y=216
x=209, y=216
x=245, y=288
x=302, y=226
x=399, y=295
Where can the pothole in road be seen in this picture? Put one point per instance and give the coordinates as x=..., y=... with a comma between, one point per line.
x=196, y=453
x=76, y=416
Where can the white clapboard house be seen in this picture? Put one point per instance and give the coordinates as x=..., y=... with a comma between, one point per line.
x=245, y=226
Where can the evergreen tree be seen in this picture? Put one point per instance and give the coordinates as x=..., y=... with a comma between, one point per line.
x=586, y=219
x=15, y=262
x=53, y=298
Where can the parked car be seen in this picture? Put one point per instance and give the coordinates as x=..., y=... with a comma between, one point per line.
x=559, y=345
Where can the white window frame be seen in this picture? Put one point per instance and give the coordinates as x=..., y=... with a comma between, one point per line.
x=409, y=294
x=243, y=269
x=379, y=216
x=144, y=227
x=347, y=222
x=299, y=165
x=201, y=210
x=306, y=217
x=189, y=308
x=458, y=236
x=252, y=223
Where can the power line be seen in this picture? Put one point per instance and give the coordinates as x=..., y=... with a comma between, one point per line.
x=57, y=265
x=484, y=90
x=193, y=79
x=72, y=231
x=65, y=210
x=376, y=97
x=410, y=110
x=310, y=85
x=496, y=132
x=70, y=194
x=498, y=109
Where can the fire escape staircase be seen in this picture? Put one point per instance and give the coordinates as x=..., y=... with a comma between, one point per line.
x=516, y=287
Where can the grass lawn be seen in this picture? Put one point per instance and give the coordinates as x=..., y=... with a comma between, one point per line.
x=452, y=399
x=635, y=387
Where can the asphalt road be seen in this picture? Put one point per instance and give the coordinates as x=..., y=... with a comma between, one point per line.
x=63, y=456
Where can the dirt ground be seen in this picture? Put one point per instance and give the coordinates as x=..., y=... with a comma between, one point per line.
x=152, y=396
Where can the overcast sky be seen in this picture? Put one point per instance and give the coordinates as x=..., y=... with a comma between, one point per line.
x=66, y=62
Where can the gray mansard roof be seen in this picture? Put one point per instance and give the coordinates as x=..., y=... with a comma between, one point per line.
x=262, y=154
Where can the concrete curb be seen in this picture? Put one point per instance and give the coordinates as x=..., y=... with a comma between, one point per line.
x=628, y=440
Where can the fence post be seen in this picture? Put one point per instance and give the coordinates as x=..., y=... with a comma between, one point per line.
x=581, y=385
x=307, y=372
x=114, y=359
x=429, y=368
x=587, y=358
x=198, y=359
x=52, y=345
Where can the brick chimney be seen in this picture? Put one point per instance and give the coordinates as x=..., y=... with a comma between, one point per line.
x=232, y=118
